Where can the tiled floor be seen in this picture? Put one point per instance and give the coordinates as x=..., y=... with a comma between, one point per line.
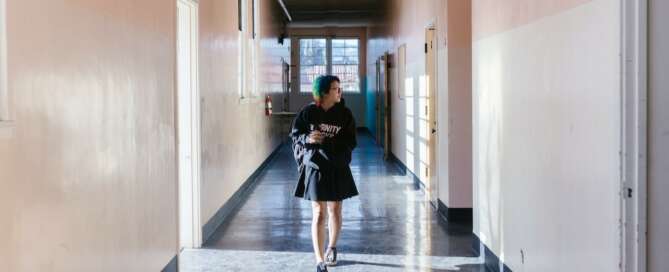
x=389, y=227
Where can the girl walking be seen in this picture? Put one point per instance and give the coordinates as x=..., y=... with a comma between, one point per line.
x=323, y=136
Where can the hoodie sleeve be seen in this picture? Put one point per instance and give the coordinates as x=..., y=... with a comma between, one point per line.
x=299, y=133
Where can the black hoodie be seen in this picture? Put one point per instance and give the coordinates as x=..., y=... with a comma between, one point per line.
x=324, y=169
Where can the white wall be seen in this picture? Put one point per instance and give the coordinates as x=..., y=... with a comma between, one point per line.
x=658, y=146
x=547, y=133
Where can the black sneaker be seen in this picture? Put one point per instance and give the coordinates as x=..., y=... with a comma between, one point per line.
x=321, y=267
x=331, y=256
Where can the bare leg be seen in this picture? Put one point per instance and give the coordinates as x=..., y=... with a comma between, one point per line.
x=334, y=222
x=318, y=228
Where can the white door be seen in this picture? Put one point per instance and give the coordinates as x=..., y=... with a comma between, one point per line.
x=190, y=228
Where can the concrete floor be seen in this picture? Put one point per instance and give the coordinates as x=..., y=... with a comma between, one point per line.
x=388, y=227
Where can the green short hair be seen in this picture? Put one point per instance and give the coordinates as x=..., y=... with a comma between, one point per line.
x=321, y=86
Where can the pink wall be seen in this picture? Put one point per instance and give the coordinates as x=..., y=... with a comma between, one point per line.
x=458, y=87
x=493, y=16
x=88, y=168
x=405, y=24
x=236, y=135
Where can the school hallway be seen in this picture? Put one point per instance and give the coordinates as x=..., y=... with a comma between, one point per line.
x=388, y=227
x=493, y=135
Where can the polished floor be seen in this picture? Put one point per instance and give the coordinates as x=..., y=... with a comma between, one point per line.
x=388, y=227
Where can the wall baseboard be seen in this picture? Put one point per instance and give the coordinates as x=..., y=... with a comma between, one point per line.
x=172, y=266
x=492, y=261
x=451, y=214
x=230, y=207
x=463, y=215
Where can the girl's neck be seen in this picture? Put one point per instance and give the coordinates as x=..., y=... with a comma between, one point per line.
x=327, y=105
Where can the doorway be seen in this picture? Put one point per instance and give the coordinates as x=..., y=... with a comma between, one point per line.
x=385, y=109
x=188, y=116
x=382, y=104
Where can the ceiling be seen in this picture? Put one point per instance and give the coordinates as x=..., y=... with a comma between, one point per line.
x=334, y=12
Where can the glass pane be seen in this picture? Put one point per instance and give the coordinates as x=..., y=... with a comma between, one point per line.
x=313, y=61
x=338, y=43
x=345, y=62
x=338, y=60
x=338, y=51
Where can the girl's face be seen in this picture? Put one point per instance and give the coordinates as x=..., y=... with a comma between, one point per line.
x=334, y=95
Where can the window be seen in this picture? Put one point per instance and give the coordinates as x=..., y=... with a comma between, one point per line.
x=248, y=48
x=241, y=57
x=345, y=63
x=340, y=57
x=313, y=61
x=276, y=60
x=4, y=92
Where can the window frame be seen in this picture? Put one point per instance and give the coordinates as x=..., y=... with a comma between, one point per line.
x=299, y=59
x=248, y=15
x=5, y=114
x=241, y=44
x=328, y=44
x=331, y=63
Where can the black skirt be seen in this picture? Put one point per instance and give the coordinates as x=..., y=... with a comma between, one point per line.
x=333, y=183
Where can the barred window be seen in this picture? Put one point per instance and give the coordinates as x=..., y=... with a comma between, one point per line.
x=339, y=57
x=313, y=61
x=346, y=63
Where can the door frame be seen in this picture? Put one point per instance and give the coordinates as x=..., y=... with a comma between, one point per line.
x=378, y=102
x=189, y=191
x=431, y=58
x=634, y=127
x=387, y=98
